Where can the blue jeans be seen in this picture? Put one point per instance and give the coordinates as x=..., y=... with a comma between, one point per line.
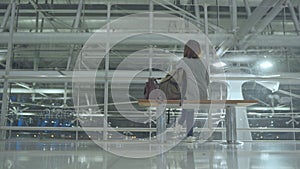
x=188, y=116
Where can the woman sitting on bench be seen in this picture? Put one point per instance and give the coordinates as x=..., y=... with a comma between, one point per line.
x=197, y=81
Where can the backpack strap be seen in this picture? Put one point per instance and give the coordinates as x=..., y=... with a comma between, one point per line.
x=184, y=85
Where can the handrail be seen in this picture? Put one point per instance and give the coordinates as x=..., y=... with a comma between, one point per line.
x=139, y=129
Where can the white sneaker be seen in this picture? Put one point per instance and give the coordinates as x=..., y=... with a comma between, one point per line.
x=178, y=128
x=190, y=139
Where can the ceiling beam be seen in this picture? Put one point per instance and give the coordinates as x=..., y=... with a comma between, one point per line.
x=273, y=41
x=81, y=38
x=54, y=77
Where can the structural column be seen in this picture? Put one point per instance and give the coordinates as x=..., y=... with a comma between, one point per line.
x=233, y=14
x=106, y=84
x=5, y=96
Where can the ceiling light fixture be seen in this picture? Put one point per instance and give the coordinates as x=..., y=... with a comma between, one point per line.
x=219, y=64
x=266, y=64
x=3, y=50
x=2, y=57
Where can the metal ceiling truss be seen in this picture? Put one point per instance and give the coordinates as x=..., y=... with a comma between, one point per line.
x=294, y=17
x=5, y=18
x=262, y=15
x=44, y=15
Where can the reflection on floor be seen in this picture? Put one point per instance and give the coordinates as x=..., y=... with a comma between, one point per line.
x=209, y=155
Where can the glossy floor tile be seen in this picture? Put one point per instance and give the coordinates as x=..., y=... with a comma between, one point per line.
x=46, y=154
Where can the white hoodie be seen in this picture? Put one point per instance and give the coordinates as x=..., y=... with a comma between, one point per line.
x=197, y=78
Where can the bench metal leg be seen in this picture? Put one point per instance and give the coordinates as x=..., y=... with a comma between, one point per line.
x=230, y=120
x=160, y=125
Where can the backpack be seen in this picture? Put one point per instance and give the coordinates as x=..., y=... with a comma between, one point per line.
x=150, y=85
x=168, y=85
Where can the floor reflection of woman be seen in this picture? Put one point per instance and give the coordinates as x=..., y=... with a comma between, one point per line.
x=190, y=163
